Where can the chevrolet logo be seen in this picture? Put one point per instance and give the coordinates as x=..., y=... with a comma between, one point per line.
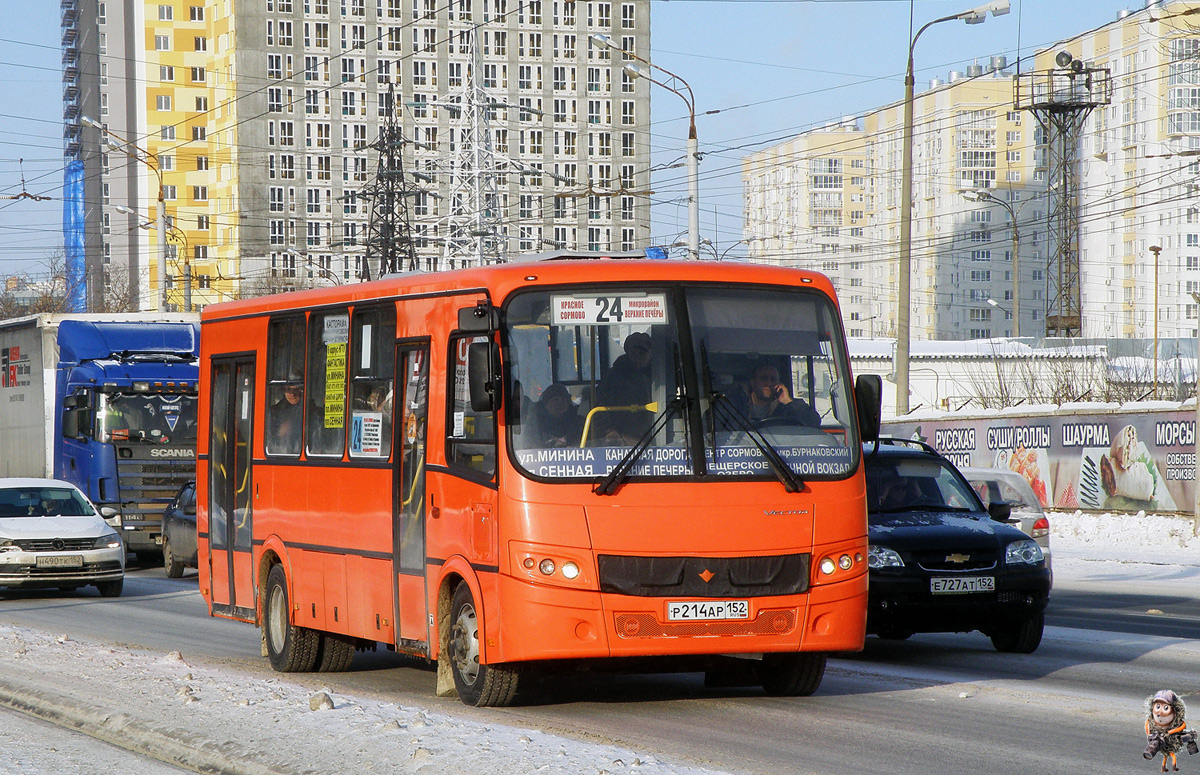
x=958, y=558
x=706, y=575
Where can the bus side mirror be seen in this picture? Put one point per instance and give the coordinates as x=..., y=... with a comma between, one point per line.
x=868, y=398
x=481, y=319
x=483, y=373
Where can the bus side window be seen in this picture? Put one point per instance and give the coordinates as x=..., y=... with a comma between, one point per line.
x=371, y=392
x=325, y=411
x=285, y=386
x=470, y=435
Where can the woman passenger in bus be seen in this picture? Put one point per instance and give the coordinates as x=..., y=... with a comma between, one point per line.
x=556, y=421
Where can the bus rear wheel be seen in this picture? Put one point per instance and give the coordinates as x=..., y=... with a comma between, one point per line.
x=477, y=684
x=290, y=648
x=792, y=675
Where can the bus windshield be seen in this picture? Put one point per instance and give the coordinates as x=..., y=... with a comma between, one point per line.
x=682, y=381
x=147, y=417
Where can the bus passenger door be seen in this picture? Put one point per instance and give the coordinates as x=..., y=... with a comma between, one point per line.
x=408, y=518
x=230, y=482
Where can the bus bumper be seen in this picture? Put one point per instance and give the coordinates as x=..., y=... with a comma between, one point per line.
x=560, y=623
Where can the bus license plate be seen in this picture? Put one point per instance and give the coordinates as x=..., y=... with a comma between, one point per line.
x=680, y=611
x=962, y=586
x=60, y=561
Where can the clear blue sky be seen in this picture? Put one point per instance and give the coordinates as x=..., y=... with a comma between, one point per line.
x=771, y=68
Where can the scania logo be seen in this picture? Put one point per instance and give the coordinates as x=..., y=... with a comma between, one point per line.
x=156, y=452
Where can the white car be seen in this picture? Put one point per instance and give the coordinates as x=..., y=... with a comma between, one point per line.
x=1001, y=485
x=52, y=536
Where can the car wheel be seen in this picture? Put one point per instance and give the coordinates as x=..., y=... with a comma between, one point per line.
x=792, y=675
x=290, y=648
x=477, y=684
x=335, y=653
x=171, y=565
x=111, y=588
x=1022, y=637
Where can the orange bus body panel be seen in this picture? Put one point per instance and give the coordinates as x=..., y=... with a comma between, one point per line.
x=330, y=522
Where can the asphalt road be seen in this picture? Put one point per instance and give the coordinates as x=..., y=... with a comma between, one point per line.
x=932, y=704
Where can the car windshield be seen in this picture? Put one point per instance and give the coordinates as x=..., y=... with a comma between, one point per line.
x=678, y=382
x=147, y=417
x=43, y=502
x=913, y=484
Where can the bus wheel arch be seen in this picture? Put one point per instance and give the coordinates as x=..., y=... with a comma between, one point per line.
x=289, y=647
x=477, y=681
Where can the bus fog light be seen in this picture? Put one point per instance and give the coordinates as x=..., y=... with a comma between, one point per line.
x=827, y=566
x=529, y=562
x=845, y=562
x=570, y=570
x=547, y=567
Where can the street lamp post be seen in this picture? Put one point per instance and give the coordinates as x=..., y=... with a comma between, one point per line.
x=904, y=287
x=680, y=87
x=179, y=234
x=1155, y=249
x=983, y=195
x=144, y=156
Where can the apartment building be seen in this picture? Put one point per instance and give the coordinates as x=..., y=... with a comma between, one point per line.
x=1136, y=187
x=255, y=119
x=829, y=200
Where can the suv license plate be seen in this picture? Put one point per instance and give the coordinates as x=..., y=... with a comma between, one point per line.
x=60, y=561
x=679, y=611
x=961, y=586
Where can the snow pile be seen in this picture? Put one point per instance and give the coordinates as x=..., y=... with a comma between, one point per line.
x=274, y=725
x=1129, y=538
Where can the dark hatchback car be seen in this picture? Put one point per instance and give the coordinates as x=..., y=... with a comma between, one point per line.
x=179, y=532
x=939, y=561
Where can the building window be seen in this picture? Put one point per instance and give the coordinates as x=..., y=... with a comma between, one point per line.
x=162, y=42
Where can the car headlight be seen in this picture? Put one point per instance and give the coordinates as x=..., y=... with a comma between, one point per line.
x=883, y=557
x=108, y=541
x=1025, y=552
x=7, y=545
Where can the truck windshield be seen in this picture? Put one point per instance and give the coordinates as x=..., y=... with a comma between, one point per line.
x=713, y=381
x=146, y=417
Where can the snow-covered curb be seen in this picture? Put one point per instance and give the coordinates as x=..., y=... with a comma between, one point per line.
x=212, y=719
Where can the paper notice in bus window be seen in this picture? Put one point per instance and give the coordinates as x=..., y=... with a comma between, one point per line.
x=366, y=433
x=617, y=309
x=336, y=330
x=335, y=385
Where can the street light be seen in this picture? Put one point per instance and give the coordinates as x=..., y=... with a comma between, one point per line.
x=904, y=289
x=675, y=84
x=1155, y=249
x=179, y=234
x=144, y=157
x=983, y=195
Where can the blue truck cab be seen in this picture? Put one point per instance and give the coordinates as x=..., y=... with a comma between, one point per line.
x=126, y=432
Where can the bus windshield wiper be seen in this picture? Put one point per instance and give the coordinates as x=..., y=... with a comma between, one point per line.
x=620, y=472
x=730, y=413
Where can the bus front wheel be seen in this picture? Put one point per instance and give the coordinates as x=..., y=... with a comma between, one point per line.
x=477, y=684
x=290, y=648
x=792, y=675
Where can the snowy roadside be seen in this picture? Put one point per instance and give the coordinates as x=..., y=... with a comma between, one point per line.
x=211, y=718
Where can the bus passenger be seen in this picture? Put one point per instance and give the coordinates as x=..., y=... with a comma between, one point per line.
x=628, y=383
x=556, y=421
x=286, y=413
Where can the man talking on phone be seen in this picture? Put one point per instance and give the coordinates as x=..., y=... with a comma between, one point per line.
x=769, y=399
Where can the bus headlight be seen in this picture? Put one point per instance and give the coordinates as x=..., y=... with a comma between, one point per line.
x=552, y=565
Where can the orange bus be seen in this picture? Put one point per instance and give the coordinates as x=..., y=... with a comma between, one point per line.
x=633, y=463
